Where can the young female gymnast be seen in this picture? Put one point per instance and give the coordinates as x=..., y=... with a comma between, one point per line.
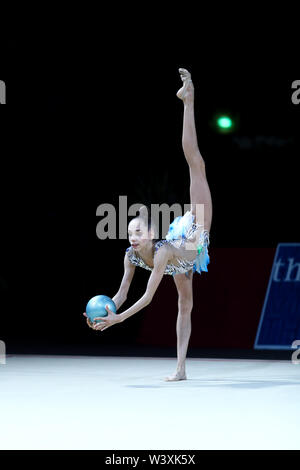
x=181, y=253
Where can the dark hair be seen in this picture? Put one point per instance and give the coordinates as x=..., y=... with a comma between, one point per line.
x=145, y=215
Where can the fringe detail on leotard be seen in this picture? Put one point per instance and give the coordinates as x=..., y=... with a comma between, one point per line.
x=202, y=259
x=183, y=229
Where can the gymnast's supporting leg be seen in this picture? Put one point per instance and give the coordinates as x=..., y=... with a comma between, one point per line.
x=184, y=287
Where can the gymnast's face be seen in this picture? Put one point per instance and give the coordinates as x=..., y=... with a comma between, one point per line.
x=138, y=235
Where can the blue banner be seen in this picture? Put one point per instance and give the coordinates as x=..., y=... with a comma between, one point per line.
x=279, y=325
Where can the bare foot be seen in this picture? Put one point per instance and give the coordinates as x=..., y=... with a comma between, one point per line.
x=178, y=375
x=187, y=91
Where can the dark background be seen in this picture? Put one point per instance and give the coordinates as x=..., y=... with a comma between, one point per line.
x=86, y=123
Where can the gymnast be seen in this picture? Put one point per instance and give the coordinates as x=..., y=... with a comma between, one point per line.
x=184, y=250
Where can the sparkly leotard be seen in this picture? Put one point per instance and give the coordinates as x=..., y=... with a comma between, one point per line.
x=180, y=231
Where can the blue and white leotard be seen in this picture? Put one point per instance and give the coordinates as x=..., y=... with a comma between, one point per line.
x=180, y=231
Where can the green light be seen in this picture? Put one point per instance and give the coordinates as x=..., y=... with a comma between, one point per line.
x=224, y=122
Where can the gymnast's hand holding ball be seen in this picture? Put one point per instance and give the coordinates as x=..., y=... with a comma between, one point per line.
x=101, y=313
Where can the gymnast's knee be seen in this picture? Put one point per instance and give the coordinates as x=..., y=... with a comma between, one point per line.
x=185, y=305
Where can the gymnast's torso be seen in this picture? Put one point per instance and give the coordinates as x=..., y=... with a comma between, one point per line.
x=185, y=253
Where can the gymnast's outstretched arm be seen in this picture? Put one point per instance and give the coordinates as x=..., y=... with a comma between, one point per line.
x=159, y=264
x=121, y=295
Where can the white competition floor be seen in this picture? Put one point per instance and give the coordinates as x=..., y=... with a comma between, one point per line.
x=118, y=403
